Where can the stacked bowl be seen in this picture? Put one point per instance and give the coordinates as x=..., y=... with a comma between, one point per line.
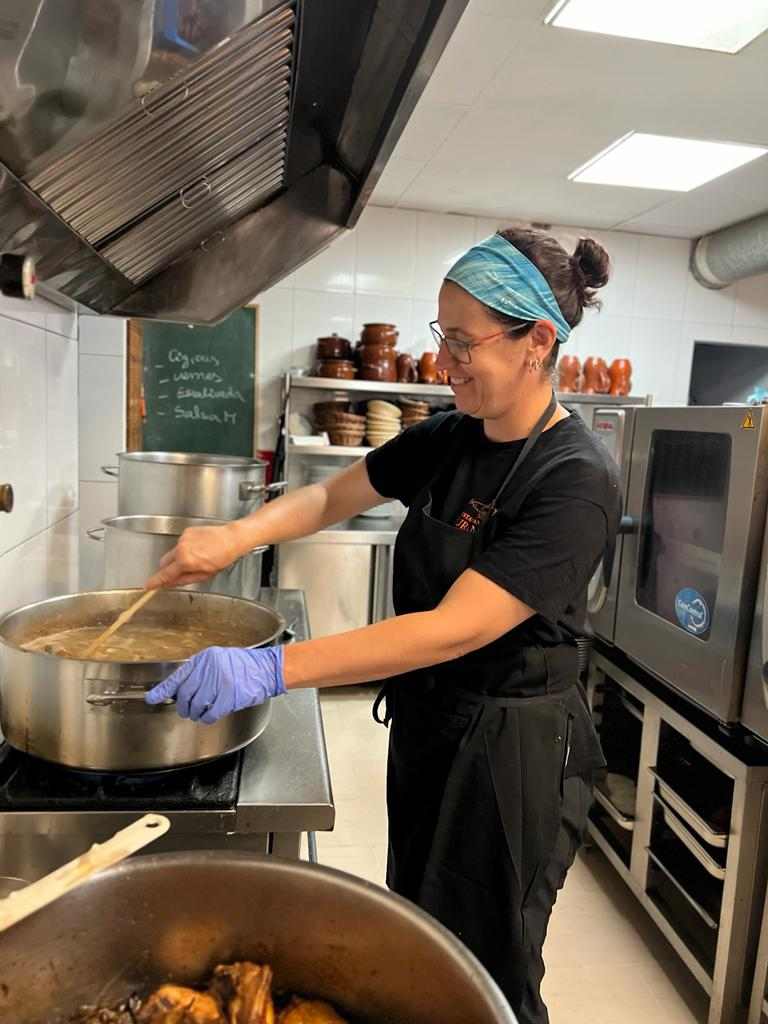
x=345, y=428
x=414, y=412
x=382, y=422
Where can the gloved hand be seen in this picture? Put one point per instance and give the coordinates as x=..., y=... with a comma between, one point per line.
x=220, y=680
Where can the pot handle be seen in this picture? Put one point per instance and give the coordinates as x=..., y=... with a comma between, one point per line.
x=97, y=532
x=111, y=470
x=248, y=489
x=108, y=697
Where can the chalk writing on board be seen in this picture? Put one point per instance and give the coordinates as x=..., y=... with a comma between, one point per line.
x=229, y=392
x=196, y=413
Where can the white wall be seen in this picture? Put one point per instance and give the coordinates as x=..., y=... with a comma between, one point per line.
x=38, y=450
x=391, y=266
x=102, y=432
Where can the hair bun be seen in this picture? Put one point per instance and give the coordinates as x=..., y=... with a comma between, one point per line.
x=593, y=262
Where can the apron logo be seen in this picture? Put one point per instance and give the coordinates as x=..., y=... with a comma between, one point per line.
x=692, y=611
x=748, y=423
x=474, y=515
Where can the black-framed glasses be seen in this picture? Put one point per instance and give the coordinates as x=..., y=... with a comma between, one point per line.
x=460, y=350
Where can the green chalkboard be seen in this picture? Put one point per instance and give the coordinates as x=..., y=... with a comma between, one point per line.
x=199, y=386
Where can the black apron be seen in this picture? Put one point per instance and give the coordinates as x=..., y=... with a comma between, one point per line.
x=475, y=782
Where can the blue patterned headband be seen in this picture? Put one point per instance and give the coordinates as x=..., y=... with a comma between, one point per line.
x=499, y=275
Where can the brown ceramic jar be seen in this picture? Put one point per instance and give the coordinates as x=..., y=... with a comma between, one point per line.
x=406, y=369
x=339, y=369
x=596, y=379
x=620, y=373
x=334, y=347
x=569, y=374
x=379, y=334
x=381, y=371
x=428, y=368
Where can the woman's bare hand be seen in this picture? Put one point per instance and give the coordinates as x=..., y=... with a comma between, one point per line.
x=202, y=551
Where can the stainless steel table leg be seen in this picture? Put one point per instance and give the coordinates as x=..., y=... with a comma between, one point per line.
x=286, y=844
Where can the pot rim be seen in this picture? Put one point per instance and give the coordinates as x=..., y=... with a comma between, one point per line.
x=281, y=624
x=195, y=459
x=127, y=522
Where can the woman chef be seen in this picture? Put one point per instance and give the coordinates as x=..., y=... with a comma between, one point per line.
x=511, y=504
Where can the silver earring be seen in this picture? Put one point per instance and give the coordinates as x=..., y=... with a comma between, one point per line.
x=534, y=365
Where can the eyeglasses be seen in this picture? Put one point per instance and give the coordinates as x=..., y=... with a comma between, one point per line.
x=461, y=351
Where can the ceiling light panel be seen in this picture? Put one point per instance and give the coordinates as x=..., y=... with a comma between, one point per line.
x=704, y=24
x=663, y=162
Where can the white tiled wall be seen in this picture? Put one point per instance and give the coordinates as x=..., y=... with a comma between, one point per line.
x=102, y=432
x=38, y=449
x=391, y=266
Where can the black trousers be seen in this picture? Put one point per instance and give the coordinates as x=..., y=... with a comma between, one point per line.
x=482, y=832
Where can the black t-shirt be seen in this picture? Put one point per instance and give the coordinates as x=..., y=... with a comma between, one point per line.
x=556, y=518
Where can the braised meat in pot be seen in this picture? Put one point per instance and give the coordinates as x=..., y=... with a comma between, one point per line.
x=239, y=993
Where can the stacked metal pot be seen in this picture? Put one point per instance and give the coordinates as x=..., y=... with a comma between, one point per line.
x=162, y=494
x=91, y=714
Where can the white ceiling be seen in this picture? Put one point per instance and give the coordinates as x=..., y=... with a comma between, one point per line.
x=514, y=106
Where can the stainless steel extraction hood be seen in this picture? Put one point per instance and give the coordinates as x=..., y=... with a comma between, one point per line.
x=173, y=158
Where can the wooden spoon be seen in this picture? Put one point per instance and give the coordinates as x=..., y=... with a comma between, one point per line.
x=121, y=620
x=24, y=902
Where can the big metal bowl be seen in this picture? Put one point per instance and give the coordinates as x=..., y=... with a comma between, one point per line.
x=91, y=714
x=378, y=958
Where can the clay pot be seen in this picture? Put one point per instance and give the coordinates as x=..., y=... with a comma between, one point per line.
x=620, y=373
x=384, y=372
x=407, y=372
x=596, y=378
x=428, y=368
x=569, y=374
x=380, y=334
x=339, y=369
x=334, y=347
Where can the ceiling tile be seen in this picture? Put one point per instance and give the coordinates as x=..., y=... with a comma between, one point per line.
x=476, y=51
x=429, y=126
x=397, y=176
x=514, y=106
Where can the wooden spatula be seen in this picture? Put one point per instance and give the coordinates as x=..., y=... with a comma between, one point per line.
x=39, y=894
x=121, y=620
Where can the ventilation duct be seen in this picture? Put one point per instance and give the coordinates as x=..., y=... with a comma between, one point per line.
x=732, y=254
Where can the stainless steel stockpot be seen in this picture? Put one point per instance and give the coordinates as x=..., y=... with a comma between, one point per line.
x=134, y=546
x=190, y=484
x=92, y=714
x=377, y=957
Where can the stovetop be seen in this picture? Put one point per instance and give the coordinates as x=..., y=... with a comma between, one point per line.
x=29, y=784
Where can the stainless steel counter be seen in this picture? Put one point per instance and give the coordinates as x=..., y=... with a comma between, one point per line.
x=361, y=530
x=284, y=791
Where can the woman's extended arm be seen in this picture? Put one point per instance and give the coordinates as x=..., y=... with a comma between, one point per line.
x=203, y=551
x=473, y=613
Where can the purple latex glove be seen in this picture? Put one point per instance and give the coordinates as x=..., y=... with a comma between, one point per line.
x=220, y=680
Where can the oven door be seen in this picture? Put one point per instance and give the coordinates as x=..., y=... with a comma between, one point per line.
x=754, y=714
x=614, y=427
x=697, y=495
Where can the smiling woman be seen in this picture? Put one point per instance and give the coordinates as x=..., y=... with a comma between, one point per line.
x=511, y=504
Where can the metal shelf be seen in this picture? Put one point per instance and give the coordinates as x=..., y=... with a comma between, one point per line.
x=444, y=390
x=334, y=450
x=377, y=387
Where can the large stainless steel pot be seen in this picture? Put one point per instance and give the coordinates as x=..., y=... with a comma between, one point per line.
x=91, y=714
x=134, y=545
x=184, y=484
x=378, y=958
